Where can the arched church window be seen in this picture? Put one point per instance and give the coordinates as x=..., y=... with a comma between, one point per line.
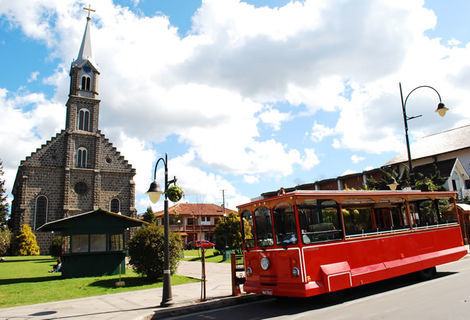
x=115, y=206
x=84, y=120
x=40, y=214
x=81, y=160
x=86, y=83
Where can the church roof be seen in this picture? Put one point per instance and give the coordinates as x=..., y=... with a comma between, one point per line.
x=85, y=54
x=435, y=144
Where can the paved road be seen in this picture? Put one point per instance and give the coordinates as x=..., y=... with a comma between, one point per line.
x=445, y=297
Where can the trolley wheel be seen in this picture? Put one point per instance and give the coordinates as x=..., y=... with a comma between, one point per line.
x=426, y=274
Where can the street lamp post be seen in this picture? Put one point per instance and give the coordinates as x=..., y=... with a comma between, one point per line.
x=154, y=193
x=441, y=109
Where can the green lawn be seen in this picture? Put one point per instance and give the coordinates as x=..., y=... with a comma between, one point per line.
x=195, y=255
x=25, y=280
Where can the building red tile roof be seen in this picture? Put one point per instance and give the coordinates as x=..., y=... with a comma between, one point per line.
x=196, y=209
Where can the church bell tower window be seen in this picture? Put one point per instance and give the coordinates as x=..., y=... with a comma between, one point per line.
x=86, y=83
x=81, y=161
x=84, y=120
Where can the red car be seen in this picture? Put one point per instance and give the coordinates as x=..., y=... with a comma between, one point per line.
x=200, y=244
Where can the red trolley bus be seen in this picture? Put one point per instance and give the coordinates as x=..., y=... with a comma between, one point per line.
x=305, y=243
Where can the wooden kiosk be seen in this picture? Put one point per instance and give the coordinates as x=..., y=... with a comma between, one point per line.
x=93, y=242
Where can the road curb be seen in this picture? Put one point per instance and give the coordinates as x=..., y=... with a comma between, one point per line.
x=195, y=306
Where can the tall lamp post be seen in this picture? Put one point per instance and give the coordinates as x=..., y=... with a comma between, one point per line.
x=441, y=109
x=154, y=193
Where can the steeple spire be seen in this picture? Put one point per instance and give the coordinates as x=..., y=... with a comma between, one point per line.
x=85, y=53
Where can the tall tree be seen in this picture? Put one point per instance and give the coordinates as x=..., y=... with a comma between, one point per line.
x=227, y=233
x=149, y=216
x=3, y=198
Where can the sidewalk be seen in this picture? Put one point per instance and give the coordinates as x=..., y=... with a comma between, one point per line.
x=141, y=304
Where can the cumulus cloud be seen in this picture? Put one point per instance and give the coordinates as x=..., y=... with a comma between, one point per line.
x=214, y=89
x=356, y=159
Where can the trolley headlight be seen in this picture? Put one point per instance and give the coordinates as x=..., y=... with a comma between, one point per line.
x=249, y=271
x=295, y=272
x=265, y=263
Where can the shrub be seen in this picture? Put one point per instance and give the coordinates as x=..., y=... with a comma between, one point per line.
x=55, y=249
x=5, y=240
x=26, y=242
x=146, y=251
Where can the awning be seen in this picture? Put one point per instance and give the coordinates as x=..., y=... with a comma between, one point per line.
x=464, y=207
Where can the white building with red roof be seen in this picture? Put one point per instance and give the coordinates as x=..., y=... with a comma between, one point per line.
x=194, y=221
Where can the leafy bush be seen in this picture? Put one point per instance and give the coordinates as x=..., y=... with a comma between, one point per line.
x=55, y=249
x=26, y=242
x=146, y=251
x=5, y=240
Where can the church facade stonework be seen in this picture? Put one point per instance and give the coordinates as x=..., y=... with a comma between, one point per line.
x=79, y=169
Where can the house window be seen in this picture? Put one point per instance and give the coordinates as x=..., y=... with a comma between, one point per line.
x=97, y=242
x=86, y=83
x=84, y=120
x=81, y=161
x=40, y=212
x=115, y=242
x=205, y=221
x=114, y=206
x=190, y=221
x=80, y=243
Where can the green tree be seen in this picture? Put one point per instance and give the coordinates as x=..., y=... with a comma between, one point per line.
x=149, y=215
x=227, y=233
x=433, y=182
x=3, y=198
x=146, y=251
x=388, y=176
x=26, y=242
x=5, y=240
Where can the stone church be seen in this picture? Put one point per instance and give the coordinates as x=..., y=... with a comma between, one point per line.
x=79, y=169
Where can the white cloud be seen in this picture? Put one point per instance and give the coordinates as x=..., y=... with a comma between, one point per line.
x=319, y=132
x=33, y=76
x=250, y=179
x=356, y=159
x=347, y=172
x=274, y=117
x=29, y=120
x=210, y=89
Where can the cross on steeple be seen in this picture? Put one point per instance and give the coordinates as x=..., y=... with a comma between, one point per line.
x=89, y=9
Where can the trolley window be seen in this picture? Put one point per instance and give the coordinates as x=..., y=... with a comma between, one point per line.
x=319, y=221
x=357, y=219
x=247, y=229
x=424, y=213
x=284, y=224
x=447, y=210
x=263, y=227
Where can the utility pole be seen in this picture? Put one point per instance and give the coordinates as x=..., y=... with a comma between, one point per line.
x=223, y=200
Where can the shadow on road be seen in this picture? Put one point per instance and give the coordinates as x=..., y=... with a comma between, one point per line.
x=285, y=306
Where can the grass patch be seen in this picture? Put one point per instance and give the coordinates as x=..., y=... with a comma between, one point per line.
x=195, y=255
x=25, y=280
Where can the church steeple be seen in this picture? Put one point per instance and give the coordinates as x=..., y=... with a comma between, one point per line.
x=83, y=105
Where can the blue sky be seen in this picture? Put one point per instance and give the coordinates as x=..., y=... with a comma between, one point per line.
x=245, y=96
